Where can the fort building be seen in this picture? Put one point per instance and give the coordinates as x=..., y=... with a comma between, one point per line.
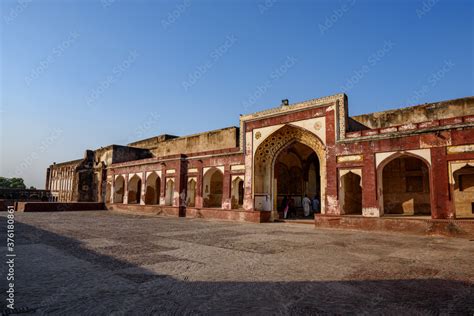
x=411, y=162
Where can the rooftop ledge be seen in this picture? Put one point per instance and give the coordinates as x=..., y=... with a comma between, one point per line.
x=401, y=130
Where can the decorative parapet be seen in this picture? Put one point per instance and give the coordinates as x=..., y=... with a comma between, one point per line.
x=293, y=107
x=340, y=101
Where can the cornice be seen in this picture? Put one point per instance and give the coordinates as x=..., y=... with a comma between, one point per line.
x=292, y=107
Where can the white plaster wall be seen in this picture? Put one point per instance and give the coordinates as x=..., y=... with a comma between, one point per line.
x=237, y=167
x=315, y=125
x=158, y=172
x=206, y=169
x=423, y=153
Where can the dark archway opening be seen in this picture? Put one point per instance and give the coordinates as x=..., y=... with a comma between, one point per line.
x=153, y=186
x=134, y=190
x=351, y=194
x=119, y=189
x=213, y=188
x=296, y=176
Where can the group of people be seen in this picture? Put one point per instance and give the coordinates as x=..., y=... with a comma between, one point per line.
x=309, y=206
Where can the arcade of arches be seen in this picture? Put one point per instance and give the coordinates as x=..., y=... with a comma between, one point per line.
x=212, y=190
x=404, y=185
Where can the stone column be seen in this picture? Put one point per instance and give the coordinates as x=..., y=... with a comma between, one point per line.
x=248, y=196
x=162, y=196
x=442, y=204
x=112, y=187
x=125, y=190
x=181, y=187
x=143, y=188
x=199, y=189
x=226, y=188
x=370, y=196
x=330, y=203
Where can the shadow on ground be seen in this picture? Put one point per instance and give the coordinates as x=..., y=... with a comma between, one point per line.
x=102, y=285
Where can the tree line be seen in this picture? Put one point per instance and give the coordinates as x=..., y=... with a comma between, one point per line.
x=13, y=183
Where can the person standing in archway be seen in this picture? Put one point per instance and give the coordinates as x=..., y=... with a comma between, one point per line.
x=316, y=204
x=306, y=205
x=285, y=205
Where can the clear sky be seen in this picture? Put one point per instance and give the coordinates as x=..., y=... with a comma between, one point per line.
x=85, y=74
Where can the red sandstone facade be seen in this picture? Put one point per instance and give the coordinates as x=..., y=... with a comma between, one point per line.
x=416, y=161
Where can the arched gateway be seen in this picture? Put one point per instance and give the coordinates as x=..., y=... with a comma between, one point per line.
x=290, y=162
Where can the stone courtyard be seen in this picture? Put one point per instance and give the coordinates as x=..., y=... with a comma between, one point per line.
x=105, y=262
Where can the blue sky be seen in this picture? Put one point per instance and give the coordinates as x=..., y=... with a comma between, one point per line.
x=86, y=74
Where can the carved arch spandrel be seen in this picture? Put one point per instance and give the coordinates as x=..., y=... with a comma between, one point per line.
x=284, y=136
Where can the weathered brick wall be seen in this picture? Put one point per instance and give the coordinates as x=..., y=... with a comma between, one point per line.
x=417, y=114
x=168, y=145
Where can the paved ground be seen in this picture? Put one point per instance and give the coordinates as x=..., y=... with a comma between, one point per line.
x=113, y=263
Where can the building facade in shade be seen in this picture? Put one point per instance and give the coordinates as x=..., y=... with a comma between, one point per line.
x=412, y=161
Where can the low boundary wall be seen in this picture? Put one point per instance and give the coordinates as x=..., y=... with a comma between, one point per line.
x=419, y=226
x=190, y=212
x=233, y=215
x=57, y=206
x=152, y=209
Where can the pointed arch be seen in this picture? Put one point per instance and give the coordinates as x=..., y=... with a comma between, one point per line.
x=191, y=192
x=119, y=189
x=237, y=195
x=169, y=194
x=462, y=187
x=213, y=187
x=153, y=187
x=350, y=191
x=264, y=163
x=404, y=184
x=134, y=189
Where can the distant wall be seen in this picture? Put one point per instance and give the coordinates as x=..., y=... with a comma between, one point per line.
x=415, y=114
x=4, y=204
x=152, y=141
x=213, y=140
x=125, y=153
x=58, y=207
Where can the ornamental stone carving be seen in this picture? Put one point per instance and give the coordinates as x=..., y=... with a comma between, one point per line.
x=284, y=136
